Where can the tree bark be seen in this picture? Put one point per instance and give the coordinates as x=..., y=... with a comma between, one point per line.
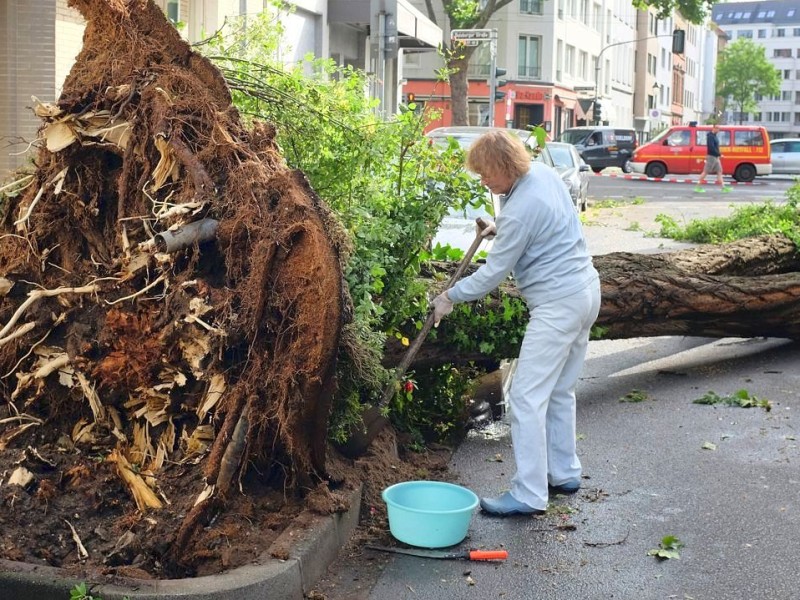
x=748, y=288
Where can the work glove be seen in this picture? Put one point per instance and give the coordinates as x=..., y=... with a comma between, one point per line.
x=489, y=230
x=442, y=306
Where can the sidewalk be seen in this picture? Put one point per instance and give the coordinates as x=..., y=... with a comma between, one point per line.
x=650, y=472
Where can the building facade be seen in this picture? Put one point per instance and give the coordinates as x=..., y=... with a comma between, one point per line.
x=40, y=40
x=563, y=56
x=775, y=25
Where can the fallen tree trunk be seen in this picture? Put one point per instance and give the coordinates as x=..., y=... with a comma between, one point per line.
x=748, y=288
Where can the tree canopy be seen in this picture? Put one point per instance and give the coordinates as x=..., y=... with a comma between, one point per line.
x=744, y=71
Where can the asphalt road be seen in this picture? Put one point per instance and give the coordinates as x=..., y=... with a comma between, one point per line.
x=723, y=480
x=612, y=184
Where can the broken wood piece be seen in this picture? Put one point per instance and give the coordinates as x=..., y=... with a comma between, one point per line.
x=82, y=552
x=145, y=497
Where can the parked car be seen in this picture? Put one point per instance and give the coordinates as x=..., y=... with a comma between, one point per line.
x=458, y=226
x=681, y=150
x=466, y=135
x=573, y=170
x=785, y=156
x=601, y=146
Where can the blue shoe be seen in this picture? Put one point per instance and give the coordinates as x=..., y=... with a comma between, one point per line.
x=566, y=488
x=505, y=505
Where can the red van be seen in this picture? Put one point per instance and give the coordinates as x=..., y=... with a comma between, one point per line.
x=681, y=150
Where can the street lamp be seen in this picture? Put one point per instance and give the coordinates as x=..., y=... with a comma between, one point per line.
x=677, y=47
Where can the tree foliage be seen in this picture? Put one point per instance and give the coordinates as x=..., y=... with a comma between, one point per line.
x=744, y=72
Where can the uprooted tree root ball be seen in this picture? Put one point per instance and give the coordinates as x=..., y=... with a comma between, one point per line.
x=172, y=307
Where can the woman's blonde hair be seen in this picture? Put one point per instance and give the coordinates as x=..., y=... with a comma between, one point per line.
x=499, y=152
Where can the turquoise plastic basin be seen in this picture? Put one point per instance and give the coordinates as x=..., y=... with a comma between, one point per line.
x=429, y=514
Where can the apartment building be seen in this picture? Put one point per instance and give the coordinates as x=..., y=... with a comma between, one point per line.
x=40, y=39
x=562, y=56
x=775, y=25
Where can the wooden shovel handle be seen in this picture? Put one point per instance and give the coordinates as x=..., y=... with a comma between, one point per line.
x=401, y=368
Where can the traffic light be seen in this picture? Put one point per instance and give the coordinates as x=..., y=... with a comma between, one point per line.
x=598, y=112
x=499, y=95
x=678, y=41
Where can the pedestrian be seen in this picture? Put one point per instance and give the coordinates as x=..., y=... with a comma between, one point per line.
x=539, y=240
x=713, y=157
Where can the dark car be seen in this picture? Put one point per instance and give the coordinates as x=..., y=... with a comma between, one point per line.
x=602, y=147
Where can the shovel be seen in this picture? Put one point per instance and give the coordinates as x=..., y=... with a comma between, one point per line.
x=372, y=420
x=462, y=554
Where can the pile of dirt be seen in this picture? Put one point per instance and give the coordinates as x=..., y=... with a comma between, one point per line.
x=78, y=516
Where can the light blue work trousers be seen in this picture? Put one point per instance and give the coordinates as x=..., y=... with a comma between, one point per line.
x=542, y=394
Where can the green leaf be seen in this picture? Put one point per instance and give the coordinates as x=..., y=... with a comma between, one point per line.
x=668, y=548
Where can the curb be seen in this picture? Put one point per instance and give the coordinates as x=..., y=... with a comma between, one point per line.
x=313, y=540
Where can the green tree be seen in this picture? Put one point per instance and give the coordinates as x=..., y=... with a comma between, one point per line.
x=475, y=14
x=744, y=71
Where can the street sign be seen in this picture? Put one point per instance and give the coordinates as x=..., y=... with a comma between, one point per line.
x=470, y=42
x=473, y=34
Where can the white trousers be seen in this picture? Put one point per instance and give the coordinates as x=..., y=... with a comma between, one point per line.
x=542, y=394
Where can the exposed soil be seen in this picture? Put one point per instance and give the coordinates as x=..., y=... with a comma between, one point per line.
x=77, y=489
x=162, y=409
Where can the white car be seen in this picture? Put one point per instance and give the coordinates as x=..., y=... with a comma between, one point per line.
x=573, y=170
x=785, y=153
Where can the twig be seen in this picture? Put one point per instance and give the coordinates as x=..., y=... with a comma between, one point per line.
x=606, y=544
x=13, y=183
x=82, y=552
x=27, y=214
x=37, y=295
x=19, y=332
x=140, y=292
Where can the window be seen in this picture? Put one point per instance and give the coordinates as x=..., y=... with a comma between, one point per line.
x=762, y=33
x=745, y=33
x=680, y=138
x=583, y=65
x=528, y=57
x=569, y=60
x=790, y=12
x=761, y=14
x=723, y=137
x=748, y=138
x=174, y=10
x=780, y=32
x=530, y=7
x=786, y=96
x=782, y=53
x=738, y=15
x=787, y=74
